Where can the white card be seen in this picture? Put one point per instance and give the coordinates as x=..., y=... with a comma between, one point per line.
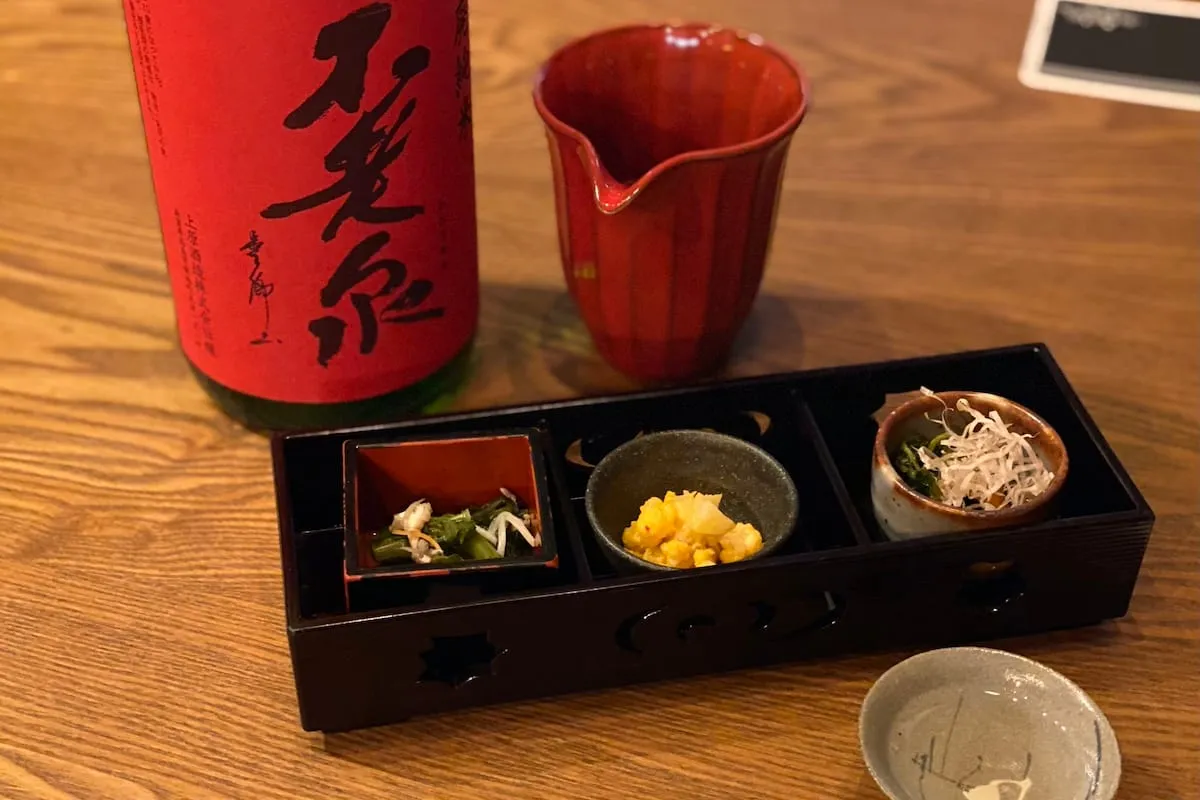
x=1134, y=51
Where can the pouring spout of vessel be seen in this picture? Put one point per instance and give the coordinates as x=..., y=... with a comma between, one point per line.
x=610, y=194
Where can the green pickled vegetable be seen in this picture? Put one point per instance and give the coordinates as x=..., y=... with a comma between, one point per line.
x=452, y=530
x=915, y=474
x=457, y=535
x=477, y=548
x=389, y=548
x=449, y=530
x=484, y=515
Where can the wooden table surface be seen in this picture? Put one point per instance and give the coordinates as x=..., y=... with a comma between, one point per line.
x=142, y=646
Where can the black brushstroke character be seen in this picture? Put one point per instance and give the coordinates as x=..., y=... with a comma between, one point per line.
x=329, y=332
x=259, y=287
x=462, y=72
x=464, y=117
x=362, y=156
x=347, y=43
x=258, y=284
x=355, y=270
x=461, y=22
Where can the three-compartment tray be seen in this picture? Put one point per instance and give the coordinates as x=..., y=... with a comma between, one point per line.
x=837, y=586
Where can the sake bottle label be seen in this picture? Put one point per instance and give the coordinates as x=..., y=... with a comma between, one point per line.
x=313, y=169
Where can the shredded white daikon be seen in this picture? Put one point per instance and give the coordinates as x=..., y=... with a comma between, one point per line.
x=505, y=519
x=486, y=534
x=986, y=462
x=518, y=524
x=497, y=534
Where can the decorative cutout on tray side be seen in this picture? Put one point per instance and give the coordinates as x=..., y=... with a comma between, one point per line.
x=458, y=660
x=804, y=615
x=628, y=625
x=574, y=454
x=775, y=620
x=587, y=451
x=992, y=586
x=761, y=420
x=691, y=627
x=766, y=613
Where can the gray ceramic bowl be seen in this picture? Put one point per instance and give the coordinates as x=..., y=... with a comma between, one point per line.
x=905, y=514
x=755, y=487
x=980, y=724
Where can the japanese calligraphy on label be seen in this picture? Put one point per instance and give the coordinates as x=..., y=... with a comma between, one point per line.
x=313, y=164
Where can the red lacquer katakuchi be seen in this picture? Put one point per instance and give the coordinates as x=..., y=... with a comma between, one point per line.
x=668, y=146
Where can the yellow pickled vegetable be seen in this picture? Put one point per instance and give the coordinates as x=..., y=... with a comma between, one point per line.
x=689, y=530
x=741, y=542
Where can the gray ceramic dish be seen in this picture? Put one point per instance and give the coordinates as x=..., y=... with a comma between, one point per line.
x=905, y=514
x=980, y=724
x=755, y=487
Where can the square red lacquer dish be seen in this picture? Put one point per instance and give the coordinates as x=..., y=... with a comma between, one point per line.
x=452, y=473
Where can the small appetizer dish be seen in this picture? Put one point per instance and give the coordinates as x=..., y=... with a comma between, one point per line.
x=949, y=462
x=425, y=507
x=973, y=723
x=688, y=499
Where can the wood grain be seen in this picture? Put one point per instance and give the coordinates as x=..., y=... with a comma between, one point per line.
x=143, y=652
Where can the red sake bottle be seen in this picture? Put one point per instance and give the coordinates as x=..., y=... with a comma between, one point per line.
x=314, y=174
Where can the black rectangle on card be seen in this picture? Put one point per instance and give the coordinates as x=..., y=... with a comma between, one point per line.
x=1134, y=47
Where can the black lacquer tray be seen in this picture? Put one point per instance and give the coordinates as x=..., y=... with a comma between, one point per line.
x=837, y=586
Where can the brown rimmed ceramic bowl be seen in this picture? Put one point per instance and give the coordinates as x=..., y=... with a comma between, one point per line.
x=903, y=513
x=454, y=472
x=755, y=487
